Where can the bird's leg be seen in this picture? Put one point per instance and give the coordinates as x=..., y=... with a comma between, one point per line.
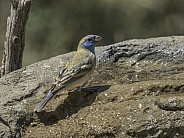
x=78, y=89
x=85, y=84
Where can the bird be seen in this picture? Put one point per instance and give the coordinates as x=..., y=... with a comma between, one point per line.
x=76, y=72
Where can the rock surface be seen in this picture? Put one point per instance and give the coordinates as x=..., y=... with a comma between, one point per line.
x=137, y=90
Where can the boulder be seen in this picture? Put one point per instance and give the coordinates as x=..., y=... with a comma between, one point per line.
x=137, y=90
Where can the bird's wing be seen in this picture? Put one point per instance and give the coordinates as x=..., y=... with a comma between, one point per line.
x=69, y=75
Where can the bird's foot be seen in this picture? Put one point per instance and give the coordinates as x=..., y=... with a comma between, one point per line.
x=78, y=89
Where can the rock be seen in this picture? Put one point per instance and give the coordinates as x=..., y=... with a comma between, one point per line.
x=137, y=90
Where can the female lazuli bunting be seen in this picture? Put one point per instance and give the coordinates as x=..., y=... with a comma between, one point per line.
x=76, y=72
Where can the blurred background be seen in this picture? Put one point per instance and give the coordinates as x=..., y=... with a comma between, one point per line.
x=55, y=26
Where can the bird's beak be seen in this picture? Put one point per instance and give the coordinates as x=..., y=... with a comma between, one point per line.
x=98, y=38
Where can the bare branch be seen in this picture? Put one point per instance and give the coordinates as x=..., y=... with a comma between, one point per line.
x=15, y=35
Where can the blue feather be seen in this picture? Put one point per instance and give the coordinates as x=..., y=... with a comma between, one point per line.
x=44, y=101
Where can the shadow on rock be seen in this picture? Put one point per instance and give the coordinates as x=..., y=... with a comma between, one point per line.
x=4, y=122
x=72, y=104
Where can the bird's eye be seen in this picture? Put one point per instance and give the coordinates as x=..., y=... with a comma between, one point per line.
x=89, y=39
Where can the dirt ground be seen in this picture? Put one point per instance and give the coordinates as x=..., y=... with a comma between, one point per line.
x=119, y=101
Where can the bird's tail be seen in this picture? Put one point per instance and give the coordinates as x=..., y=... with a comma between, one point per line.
x=44, y=101
x=47, y=98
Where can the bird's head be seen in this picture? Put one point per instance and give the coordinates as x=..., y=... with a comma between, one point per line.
x=89, y=42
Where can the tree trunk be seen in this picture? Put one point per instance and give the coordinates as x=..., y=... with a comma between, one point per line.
x=15, y=36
